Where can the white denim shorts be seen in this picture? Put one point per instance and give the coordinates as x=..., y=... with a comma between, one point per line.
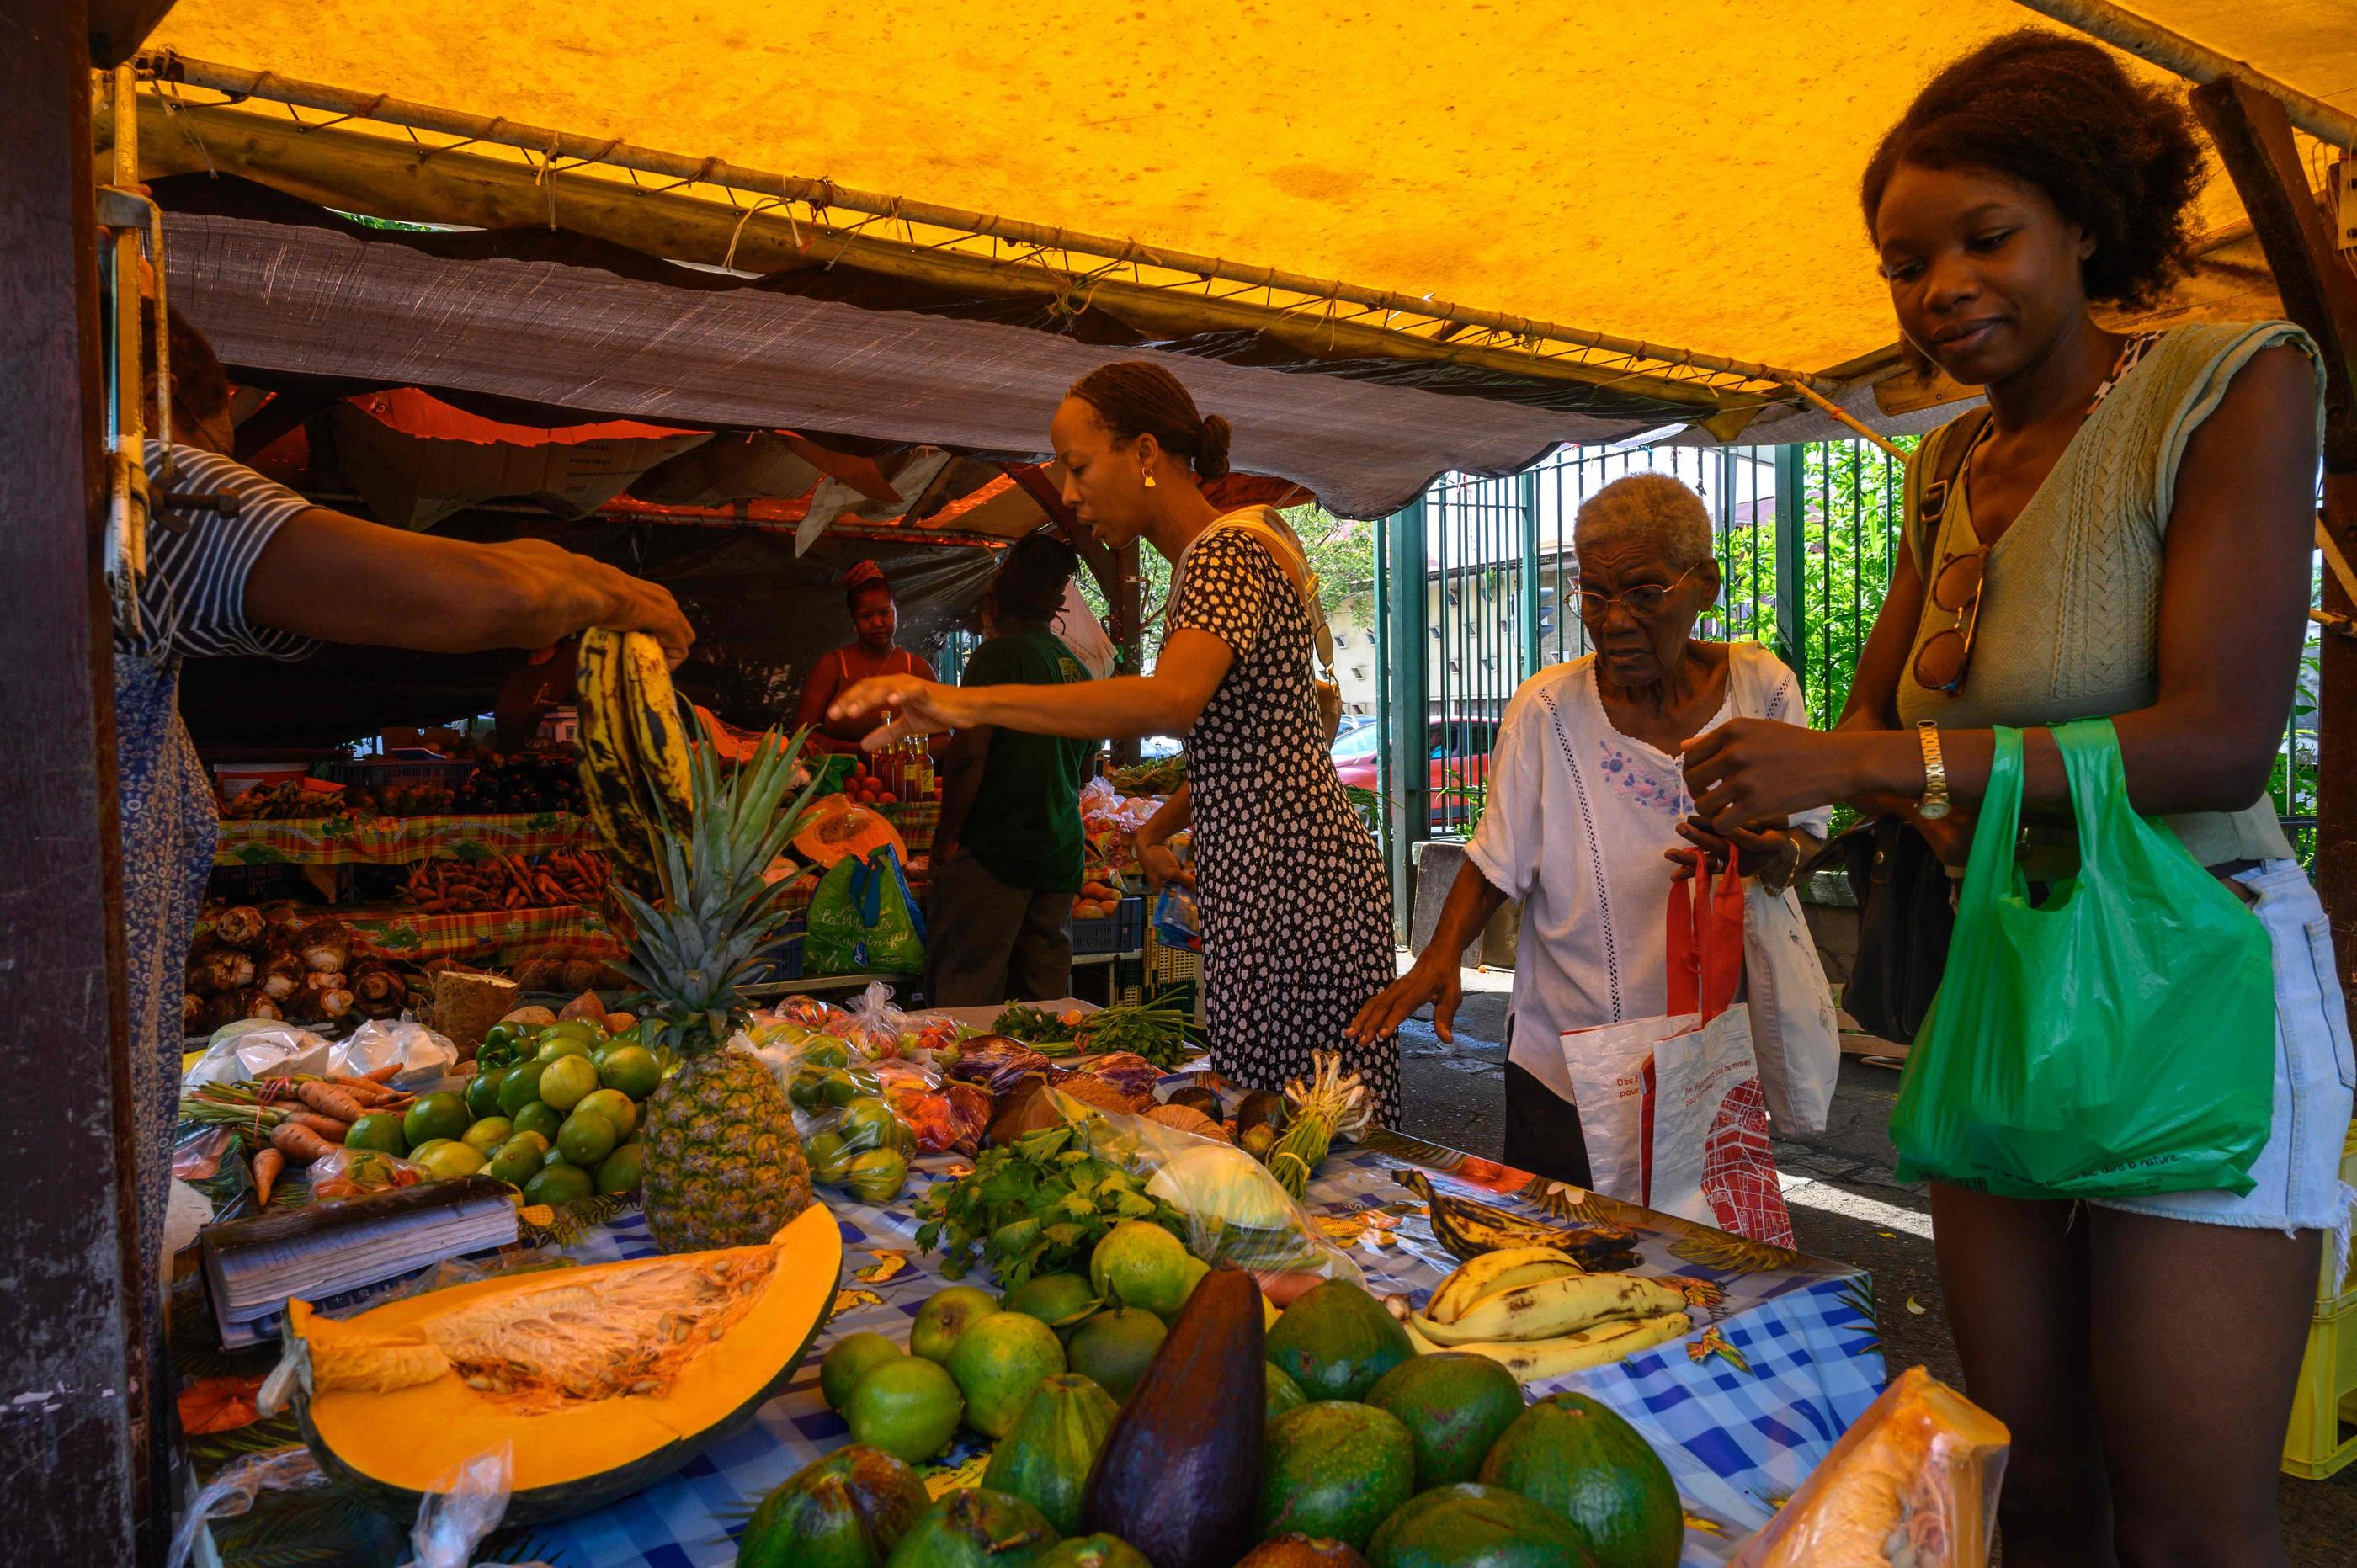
x=2298, y=1173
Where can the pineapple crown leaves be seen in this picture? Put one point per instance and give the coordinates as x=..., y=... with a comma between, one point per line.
x=692, y=949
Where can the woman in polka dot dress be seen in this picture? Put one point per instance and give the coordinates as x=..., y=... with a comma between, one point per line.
x=1297, y=906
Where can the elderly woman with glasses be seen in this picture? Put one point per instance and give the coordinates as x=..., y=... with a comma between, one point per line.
x=1589, y=819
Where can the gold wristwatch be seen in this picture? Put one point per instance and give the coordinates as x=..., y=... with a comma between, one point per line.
x=1934, y=803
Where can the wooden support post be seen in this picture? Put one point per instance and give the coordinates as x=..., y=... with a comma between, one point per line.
x=2253, y=138
x=73, y=1448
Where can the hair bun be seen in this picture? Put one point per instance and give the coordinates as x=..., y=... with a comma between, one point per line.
x=1211, y=460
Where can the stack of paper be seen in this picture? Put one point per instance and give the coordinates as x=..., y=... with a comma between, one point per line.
x=253, y=1267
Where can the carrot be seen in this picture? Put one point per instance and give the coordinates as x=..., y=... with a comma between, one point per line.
x=297, y=1142
x=382, y=1074
x=328, y=1127
x=367, y=1091
x=329, y=1100
x=267, y=1163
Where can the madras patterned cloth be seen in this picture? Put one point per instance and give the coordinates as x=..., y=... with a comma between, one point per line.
x=488, y=936
x=397, y=841
x=1784, y=1359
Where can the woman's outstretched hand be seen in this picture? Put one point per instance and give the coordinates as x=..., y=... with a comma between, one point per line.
x=905, y=705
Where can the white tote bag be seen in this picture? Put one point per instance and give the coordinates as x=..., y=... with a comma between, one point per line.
x=1671, y=1108
x=1793, y=1032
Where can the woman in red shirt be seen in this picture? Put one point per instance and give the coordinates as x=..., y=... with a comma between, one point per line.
x=875, y=618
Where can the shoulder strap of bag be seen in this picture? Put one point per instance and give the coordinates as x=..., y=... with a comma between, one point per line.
x=1953, y=443
x=1267, y=525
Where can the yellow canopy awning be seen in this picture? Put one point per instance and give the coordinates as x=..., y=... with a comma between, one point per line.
x=1682, y=174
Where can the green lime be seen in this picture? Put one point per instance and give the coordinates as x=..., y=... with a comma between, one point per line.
x=849, y=1361
x=521, y=1086
x=559, y=1184
x=803, y=1091
x=614, y=1106
x=442, y=1114
x=632, y=1069
x=619, y=1172
x=838, y=1088
x=585, y=1138
x=823, y=1054
x=483, y=1091
x=581, y=1029
x=566, y=1081
x=555, y=1046
x=488, y=1133
x=378, y=1130
x=518, y=1160
x=449, y=1161
x=909, y=1408
x=420, y=1150
x=541, y=1119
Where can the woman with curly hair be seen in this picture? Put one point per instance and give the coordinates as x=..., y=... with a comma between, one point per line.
x=2128, y=535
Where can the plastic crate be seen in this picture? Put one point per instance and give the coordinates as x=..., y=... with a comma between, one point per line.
x=1129, y=981
x=778, y=964
x=2323, y=1436
x=400, y=772
x=1124, y=931
x=2334, y=1296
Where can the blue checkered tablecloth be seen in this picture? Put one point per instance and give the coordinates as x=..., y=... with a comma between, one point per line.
x=1777, y=1367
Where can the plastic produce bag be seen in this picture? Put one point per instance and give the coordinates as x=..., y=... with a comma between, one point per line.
x=233, y=1491
x=360, y=1173
x=380, y=1043
x=242, y=1053
x=1914, y=1480
x=1236, y=1212
x=873, y=1024
x=2118, y=1039
x=452, y=1523
x=863, y=916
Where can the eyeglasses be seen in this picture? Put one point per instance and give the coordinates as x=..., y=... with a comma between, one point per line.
x=1643, y=602
x=1946, y=656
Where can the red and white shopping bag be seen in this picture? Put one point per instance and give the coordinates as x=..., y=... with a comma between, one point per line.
x=1671, y=1107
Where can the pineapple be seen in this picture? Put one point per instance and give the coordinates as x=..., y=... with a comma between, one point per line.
x=723, y=1167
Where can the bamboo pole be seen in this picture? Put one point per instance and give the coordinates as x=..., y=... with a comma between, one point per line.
x=356, y=171
x=555, y=146
x=2197, y=63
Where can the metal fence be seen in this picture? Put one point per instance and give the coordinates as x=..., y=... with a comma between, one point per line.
x=1494, y=560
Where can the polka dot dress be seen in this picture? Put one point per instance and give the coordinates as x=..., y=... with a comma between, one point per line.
x=1296, y=904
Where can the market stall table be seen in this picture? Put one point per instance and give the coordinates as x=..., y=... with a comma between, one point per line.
x=1781, y=1363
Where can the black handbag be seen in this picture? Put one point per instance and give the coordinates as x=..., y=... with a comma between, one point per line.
x=1906, y=904
x=1906, y=914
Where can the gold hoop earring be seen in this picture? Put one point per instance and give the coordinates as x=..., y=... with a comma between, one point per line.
x=1149, y=480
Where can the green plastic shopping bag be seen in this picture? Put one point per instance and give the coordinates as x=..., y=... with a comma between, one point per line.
x=2118, y=1039
x=862, y=917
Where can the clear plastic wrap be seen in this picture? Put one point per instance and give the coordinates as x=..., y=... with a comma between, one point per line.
x=231, y=1492
x=415, y=1050
x=1912, y=1484
x=1236, y=1212
x=357, y=1173
x=872, y=1024
x=452, y=1523
x=240, y=1053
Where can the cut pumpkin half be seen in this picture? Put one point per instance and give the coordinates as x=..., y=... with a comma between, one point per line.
x=602, y=1379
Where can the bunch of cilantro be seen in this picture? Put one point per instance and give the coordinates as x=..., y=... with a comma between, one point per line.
x=1038, y=1206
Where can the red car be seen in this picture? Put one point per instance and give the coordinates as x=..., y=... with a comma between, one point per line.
x=1460, y=753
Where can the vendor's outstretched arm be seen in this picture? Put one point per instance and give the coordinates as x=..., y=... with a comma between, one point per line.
x=1190, y=669
x=1436, y=976
x=342, y=579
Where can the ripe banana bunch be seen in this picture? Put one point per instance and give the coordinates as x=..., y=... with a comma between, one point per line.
x=635, y=763
x=1535, y=1312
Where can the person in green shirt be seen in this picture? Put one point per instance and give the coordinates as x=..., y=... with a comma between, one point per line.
x=1007, y=858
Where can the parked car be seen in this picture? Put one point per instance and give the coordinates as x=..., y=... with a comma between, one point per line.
x=1460, y=753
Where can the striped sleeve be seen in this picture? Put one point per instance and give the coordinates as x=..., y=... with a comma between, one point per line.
x=193, y=600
